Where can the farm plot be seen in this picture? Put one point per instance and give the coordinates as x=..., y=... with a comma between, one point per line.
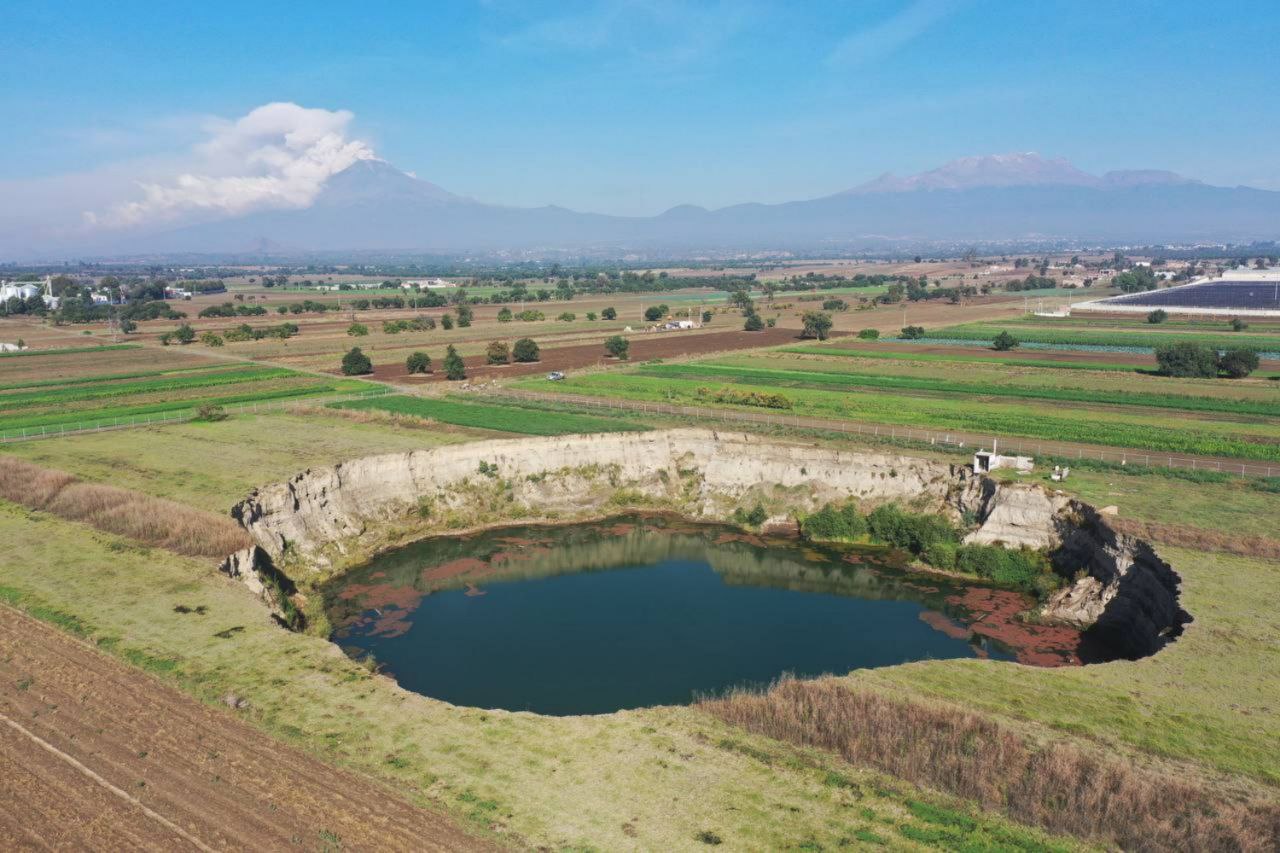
x=1135, y=340
x=500, y=417
x=1084, y=425
x=1258, y=398
x=86, y=401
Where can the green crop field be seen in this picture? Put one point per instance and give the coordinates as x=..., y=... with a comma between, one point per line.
x=67, y=350
x=528, y=420
x=1139, y=338
x=814, y=377
x=1101, y=426
x=843, y=350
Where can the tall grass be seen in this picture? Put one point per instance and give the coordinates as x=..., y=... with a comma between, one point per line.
x=142, y=518
x=1058, y=786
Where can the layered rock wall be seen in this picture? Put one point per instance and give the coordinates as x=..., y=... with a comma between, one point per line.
x=323, y=518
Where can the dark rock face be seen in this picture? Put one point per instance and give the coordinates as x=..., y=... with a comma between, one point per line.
x=1128, y=598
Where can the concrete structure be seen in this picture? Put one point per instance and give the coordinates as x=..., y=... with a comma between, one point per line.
x=985, y=461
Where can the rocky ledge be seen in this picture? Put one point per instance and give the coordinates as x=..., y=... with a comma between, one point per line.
x=325, y=519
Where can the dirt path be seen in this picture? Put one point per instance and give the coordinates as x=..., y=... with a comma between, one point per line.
x=95, y=755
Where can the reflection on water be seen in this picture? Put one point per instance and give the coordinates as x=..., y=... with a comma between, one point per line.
x=650, y=610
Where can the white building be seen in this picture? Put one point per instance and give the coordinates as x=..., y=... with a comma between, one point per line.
x=427, y=284
x=22, y=291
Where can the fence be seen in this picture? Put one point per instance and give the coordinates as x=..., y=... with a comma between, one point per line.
x=175, y=416
x=1030, y=447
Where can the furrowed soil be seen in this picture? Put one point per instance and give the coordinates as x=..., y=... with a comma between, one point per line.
x=97, y=755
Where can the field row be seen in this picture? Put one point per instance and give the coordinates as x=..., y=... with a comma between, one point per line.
x=500, y=417
x=1086, y=426
x=815, y=377
x=1123, y=340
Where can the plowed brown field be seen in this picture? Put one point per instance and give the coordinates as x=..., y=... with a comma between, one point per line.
x=96, y=755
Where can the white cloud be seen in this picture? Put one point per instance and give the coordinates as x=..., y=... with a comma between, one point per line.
x=279, y=155
x=882, y=39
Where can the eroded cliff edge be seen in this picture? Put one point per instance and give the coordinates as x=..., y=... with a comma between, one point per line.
x=325, y=519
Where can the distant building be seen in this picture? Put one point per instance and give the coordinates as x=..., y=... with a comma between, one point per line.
x=428, y=284
x=22, y=291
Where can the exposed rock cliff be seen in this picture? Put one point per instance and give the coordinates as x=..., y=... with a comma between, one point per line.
x=325, y=518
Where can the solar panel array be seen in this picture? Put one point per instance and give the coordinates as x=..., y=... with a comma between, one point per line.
x=1252, y=295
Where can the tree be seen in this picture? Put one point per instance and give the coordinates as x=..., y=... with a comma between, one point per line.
x=185, y=334
x=1187, y=360
x=591, y=315
x=418, y=362
x=1238, y=325
x=618, y=347
x=1158, y=316
x=127, y=326
x=655, y=312
x=357, y=330
x=753, y=322
x=454, y=369
x=817, y=324
x=498, y=353
x=1005, y=342
x=211, y=339
x=447, y=321
x=609, y=314
x=869, y=334
x=525, y=351
x=911, y=333
x=706, y=317
x=464, y=315
x=504, y=314
x=567, y=317
x=356, y=363
x=1238, y=363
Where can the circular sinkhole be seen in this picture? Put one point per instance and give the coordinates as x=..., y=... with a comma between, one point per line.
x=654, y=610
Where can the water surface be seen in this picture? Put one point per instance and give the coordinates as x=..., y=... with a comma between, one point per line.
x=638, y=611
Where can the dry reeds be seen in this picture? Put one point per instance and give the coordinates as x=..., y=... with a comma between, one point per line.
x=1061, y=788
x=1199, y=538
x=142, y=518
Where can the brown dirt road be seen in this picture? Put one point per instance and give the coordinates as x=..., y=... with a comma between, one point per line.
x=96, y=755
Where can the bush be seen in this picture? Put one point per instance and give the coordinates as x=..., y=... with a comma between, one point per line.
x=185, y=334
x=609, y=314
x=210, y=412
x=504, y=315
x=567, y=317
x=418, y=362
x=762, y=399
x=356, y=363
x=498, y=353
x=706, y=317
x=834, y=523
x=869, y=334
x=618, y=347
x=1157, y=316
x=941, y=555
x=757, y=516
x=525, y=351
x=447, y=322
x=357, y=330
x=835, y=305
x=1004, y=342
x=652, y=313
x=1187, y=360
x=753, y=322
x=1238, y=363
x=454, y=369
x=464, y=315
x=816, y=325
x=912, y=333
x=1024, y=568
x=1238, y=325
x=591, y=315
x=211, y=339
x=909, y=531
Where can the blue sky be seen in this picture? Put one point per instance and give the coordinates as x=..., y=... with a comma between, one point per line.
x=631, y=107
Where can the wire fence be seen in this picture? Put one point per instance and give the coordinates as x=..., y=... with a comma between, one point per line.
x=173, y=416
x=959, y=440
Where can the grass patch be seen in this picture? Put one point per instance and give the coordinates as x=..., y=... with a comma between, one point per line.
x=68, y=350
